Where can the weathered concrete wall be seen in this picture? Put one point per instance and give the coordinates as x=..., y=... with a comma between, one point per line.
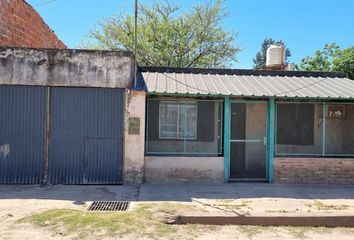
x=65, y=67
x=314, y=170
x=134, y=144
x=184, y=169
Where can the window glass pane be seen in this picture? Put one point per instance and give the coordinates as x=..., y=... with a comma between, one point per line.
x=168, y=120
x=208, y=131
x=339, y=129
x=299, y=128
x=190, y=127
x=154, y=143
x=187, y=121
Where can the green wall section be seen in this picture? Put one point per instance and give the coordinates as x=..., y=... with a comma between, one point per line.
x=227, y=129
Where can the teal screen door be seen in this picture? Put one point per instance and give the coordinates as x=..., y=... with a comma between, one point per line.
x=248, y=150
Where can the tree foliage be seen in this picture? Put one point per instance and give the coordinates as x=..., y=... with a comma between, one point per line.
x=330, y=58
x=167, y=37
x=260, y=60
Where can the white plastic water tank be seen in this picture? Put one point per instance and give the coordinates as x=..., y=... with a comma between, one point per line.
x=275, y=56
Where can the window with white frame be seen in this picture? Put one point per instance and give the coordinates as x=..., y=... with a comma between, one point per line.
x=177, y=120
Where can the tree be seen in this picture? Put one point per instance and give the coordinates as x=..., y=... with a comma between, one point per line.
x=330, y=58
x=167, y=37
x=260, y=60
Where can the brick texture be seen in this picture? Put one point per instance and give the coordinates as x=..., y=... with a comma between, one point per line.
x=314, y=170
x=22, y=26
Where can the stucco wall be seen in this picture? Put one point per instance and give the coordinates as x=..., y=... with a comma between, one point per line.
x=183, y=169
x=134, y=144
x=314, y=170
x=66, y=67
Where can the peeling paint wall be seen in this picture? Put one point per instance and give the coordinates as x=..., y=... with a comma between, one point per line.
x=184, y=169
x=66, y=67
x=4, y=150
x=134, y=143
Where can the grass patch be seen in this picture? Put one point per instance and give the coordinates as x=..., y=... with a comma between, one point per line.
x=230, y=205
x=280, y=211
x=347, y=230
x=298, y=232
x=243, y=206
x=325, y=207
x=305, y=232
x=251, y=231
x=146, y=220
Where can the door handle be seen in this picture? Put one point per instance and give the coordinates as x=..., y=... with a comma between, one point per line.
x=265, y=141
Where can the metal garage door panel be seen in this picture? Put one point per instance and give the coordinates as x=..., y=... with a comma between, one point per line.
x=78, y=114
x=102, y=161
x=22, y=134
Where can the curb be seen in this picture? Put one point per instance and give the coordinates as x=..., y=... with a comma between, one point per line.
x=310, y=221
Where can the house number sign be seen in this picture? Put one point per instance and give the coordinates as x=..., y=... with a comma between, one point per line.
x=134, y=126
x=335, y=111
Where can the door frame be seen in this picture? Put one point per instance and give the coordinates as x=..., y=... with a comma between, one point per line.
x=269, y=135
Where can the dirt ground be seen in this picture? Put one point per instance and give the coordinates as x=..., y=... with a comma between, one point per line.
x=17, y=202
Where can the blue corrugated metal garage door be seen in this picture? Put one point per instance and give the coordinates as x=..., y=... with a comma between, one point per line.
x=22, y=134
x=86, y=136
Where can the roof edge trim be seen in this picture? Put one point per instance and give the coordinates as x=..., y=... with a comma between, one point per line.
x=247, y=72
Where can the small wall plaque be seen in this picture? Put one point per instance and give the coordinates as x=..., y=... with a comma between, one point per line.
x=134, y=126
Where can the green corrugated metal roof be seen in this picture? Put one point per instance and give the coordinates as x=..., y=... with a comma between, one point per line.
x=244, y=83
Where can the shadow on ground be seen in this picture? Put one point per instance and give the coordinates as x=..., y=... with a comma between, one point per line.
x=174, y=192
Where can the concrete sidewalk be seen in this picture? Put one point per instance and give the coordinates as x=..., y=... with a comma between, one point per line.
x=185, y=192
x=235, y=199
x=249, y=199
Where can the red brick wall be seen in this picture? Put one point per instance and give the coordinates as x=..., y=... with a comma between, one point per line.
x=314, y=170
x=22, y=26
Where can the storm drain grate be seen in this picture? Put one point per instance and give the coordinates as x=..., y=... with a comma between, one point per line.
x=109, y=206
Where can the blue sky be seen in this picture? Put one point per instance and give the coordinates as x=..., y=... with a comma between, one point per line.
x=304, y=25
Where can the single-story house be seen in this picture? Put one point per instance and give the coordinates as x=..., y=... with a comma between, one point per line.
x=79, y=117
x=248, y=125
